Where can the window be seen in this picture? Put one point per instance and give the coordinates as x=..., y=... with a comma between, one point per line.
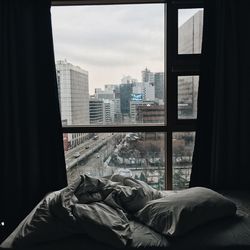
x=128, y=97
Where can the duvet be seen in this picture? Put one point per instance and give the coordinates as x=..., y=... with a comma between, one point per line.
x=120, y=212
x=100, y=208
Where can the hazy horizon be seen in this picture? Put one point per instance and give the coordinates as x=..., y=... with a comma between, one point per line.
x=111, y=41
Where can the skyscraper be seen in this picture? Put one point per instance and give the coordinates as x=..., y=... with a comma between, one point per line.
x=125, y=95
x=190, y=37
x=147, y=76
x=190, y=34
x=96, y=111
x=74, y=97
x=159, y=85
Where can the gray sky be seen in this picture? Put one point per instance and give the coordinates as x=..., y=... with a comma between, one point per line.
x=111, y=41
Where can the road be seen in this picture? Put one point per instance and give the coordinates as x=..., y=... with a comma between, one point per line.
x=91, y=161
x=86, y=149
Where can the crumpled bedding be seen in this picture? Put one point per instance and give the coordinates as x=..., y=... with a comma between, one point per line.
x=103, y=209
x=100, y=208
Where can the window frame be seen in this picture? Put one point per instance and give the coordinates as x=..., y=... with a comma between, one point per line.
x=174, y=65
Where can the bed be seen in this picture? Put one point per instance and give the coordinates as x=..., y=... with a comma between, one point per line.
x=112, y=213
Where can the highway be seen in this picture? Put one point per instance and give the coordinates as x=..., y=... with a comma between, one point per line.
x=91, y=159
x=86, y=149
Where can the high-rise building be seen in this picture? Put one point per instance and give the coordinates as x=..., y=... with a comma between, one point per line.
x=96, y=111
x=146, y=89
x=74, y=93
x=125, y=95
x=149, y=91
x=187, y=96
x=159, y=85
x=108, y=111
x=190, y=35
x=147, y=76
x=73, y=89
x=133, y=109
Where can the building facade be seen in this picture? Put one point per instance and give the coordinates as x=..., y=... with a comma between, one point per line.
x=159, y=85
x=73, y=89
x=96, y=111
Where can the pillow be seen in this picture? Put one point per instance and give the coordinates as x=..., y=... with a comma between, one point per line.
x=149, y=192
x=103, y=223
x=131, y=199
x=176, y=214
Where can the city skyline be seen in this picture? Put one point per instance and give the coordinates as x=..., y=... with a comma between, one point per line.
x=135, y=96
x=110, y=41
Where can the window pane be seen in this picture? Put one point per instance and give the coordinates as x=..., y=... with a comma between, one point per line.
x=110, y=63
x=138, y=155
x=183, y=146
x=190, y=27
x=187, y=97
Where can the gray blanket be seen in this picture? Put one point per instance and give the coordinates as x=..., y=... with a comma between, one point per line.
x=103, y=209
x=98, y=207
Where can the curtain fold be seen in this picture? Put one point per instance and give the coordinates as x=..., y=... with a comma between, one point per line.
x=222, y=151
x=31, y=155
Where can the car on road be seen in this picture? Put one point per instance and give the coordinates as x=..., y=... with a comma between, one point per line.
x=124, y=172
x=77, y=154
x=86, y=147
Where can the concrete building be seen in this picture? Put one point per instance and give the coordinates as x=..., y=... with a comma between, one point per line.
x=96, y=111
x=159, y=85
x=104, y=94
x=111, y=103
x=133, y=109
x=187, y=96
x=73, y=89
x=150, y=113
x=134, y=104
x=146, y=89
x=149, y=91
x=190, y=40
x=147, y=76
x=125, y=95
x=108, y=111
x=190, y=35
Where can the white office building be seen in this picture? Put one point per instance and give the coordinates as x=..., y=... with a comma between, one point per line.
x=73, y=89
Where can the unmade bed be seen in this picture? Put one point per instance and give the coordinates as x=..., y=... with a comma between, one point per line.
x=120, y=212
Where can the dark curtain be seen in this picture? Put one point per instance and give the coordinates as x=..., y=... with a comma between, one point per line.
x=31, y=155
x=221, y=157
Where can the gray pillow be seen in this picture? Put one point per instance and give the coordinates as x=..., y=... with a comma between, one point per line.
x=131, y=199
x=149, y=192
x=176, y=214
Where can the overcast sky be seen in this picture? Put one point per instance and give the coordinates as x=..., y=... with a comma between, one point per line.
x=111, y=41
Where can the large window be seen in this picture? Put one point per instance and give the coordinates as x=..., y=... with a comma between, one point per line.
x=127, y=79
